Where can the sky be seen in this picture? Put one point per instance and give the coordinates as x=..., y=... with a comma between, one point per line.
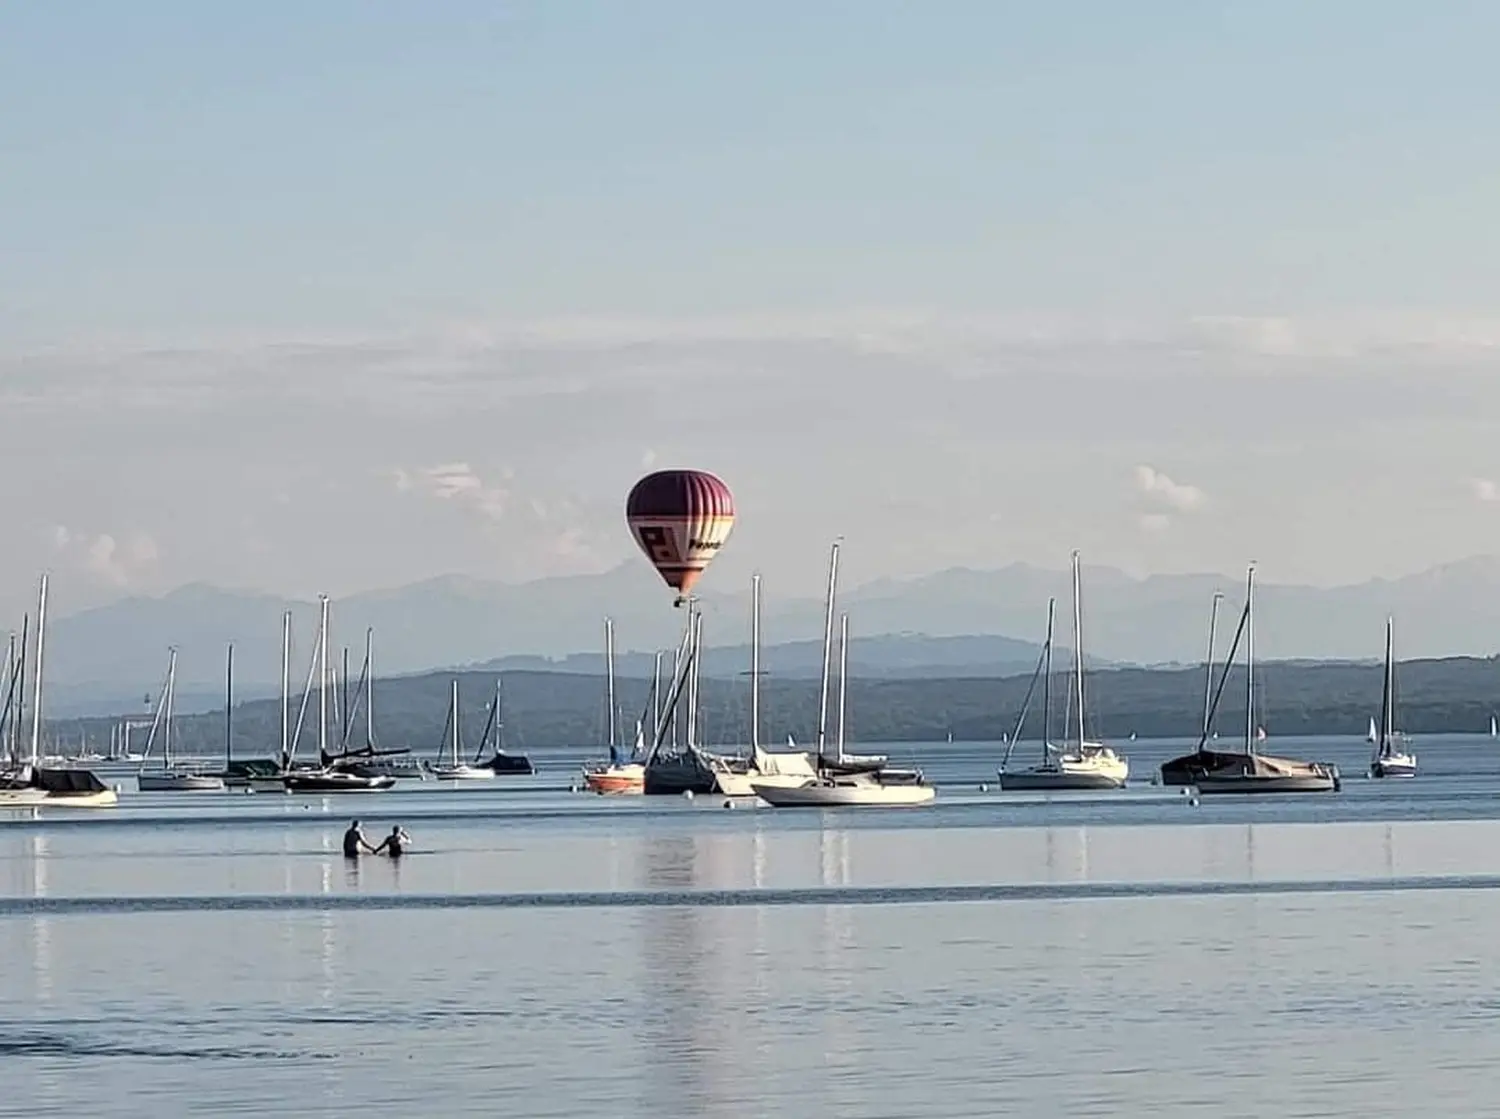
x=339, y=296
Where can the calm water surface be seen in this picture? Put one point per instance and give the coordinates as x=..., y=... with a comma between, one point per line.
x=1315, y=956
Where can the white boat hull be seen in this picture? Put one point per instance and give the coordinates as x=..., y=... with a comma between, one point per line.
x=463, y=773
x=837, y=793
x=1394, y=765
x=1096, y=767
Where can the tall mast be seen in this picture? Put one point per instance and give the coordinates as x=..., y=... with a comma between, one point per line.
x=166, y=742
x=370, y=688
x=323, y=679
x=1078, y=646
x=229, y=705
x=344, y=703
x=833, y=575
x=453, y=706
x=286, y=686
x=1387, y=703
x=656, y=695
x=15, y=743
x=843, y=679
x=10, y=700
x=755, y=662
x=695, y=665
x=36, y=700
x=499, y=719
x=1208, y=662
x=1047, y=684
x=609, y=684
x=1250, y=661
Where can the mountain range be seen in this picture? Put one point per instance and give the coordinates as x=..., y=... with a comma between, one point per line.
x=959, y=622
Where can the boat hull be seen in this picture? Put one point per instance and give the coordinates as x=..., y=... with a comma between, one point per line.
x=1043, y=780
x=180, y=783
x=675, y=776
x=860, y=794
x=1399, y=765
x=464, y=773
x=616, y=780
x=335, y=783
x=1214, y=773
x=1250, y=785
x=511, y=763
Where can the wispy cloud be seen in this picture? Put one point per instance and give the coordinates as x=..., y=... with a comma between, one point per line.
x=1161, y=490
x=1484, y=490
x=118, y=563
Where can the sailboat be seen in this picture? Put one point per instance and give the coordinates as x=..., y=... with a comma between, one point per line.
x=456, y=769
x=29, y=782
x=1390, y=760
x=1087, y=765
x=500, y=761
x=618, y=774
x=170, y=778
x=1213, y=771
x=370, y=760
x=1372, y=736
x=326, y=779
x=831, y=787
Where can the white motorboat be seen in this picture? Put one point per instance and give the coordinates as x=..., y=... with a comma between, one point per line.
x=1391, y=759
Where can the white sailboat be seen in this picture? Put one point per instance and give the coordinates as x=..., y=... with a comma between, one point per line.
x=831, y=787
x=1372, y=736
x=172, y=778
x=1087, y=765
x=1390, y=758
x=456, y=769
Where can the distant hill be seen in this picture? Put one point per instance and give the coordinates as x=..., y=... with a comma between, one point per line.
x=945, y=624
x=562, y=708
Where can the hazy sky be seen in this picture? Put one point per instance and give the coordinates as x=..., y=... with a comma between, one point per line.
x=336, y=295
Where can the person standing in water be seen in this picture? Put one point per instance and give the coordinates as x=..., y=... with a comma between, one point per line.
x=394, y=844
x=354, y=840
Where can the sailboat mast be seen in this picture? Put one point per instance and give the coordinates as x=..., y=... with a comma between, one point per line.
x=323, y=679
x=229, y=705
x=833, y=575
x=609, y=687
x=1250, y=661
x=166, y=742
x=1386, y=700
x=370, y=688
x=36, y=700
x=695, y=665
x=1047, y=684
x=843, y=679
x=1078, y=646
x=344, y=703
x=1208, y=662
x=656, y=694
x=453, y=705
x=755, y=662
x=286, y=687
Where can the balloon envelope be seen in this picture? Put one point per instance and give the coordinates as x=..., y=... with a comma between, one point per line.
x=680, y=519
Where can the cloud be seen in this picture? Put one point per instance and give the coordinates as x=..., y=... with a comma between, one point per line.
x=458, y=482
x=1154, y=522
x=1484, y=490
x=648, y=459
x=1161, y=490
x=108, y=559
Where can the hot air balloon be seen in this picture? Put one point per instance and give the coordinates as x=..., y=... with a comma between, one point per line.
x=680, y=519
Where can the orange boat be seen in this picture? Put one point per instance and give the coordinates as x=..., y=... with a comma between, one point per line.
x=628, y=778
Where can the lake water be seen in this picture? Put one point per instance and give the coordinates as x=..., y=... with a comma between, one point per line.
x=546, y=953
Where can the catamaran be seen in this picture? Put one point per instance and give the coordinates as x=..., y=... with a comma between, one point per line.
x=1390, y=759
